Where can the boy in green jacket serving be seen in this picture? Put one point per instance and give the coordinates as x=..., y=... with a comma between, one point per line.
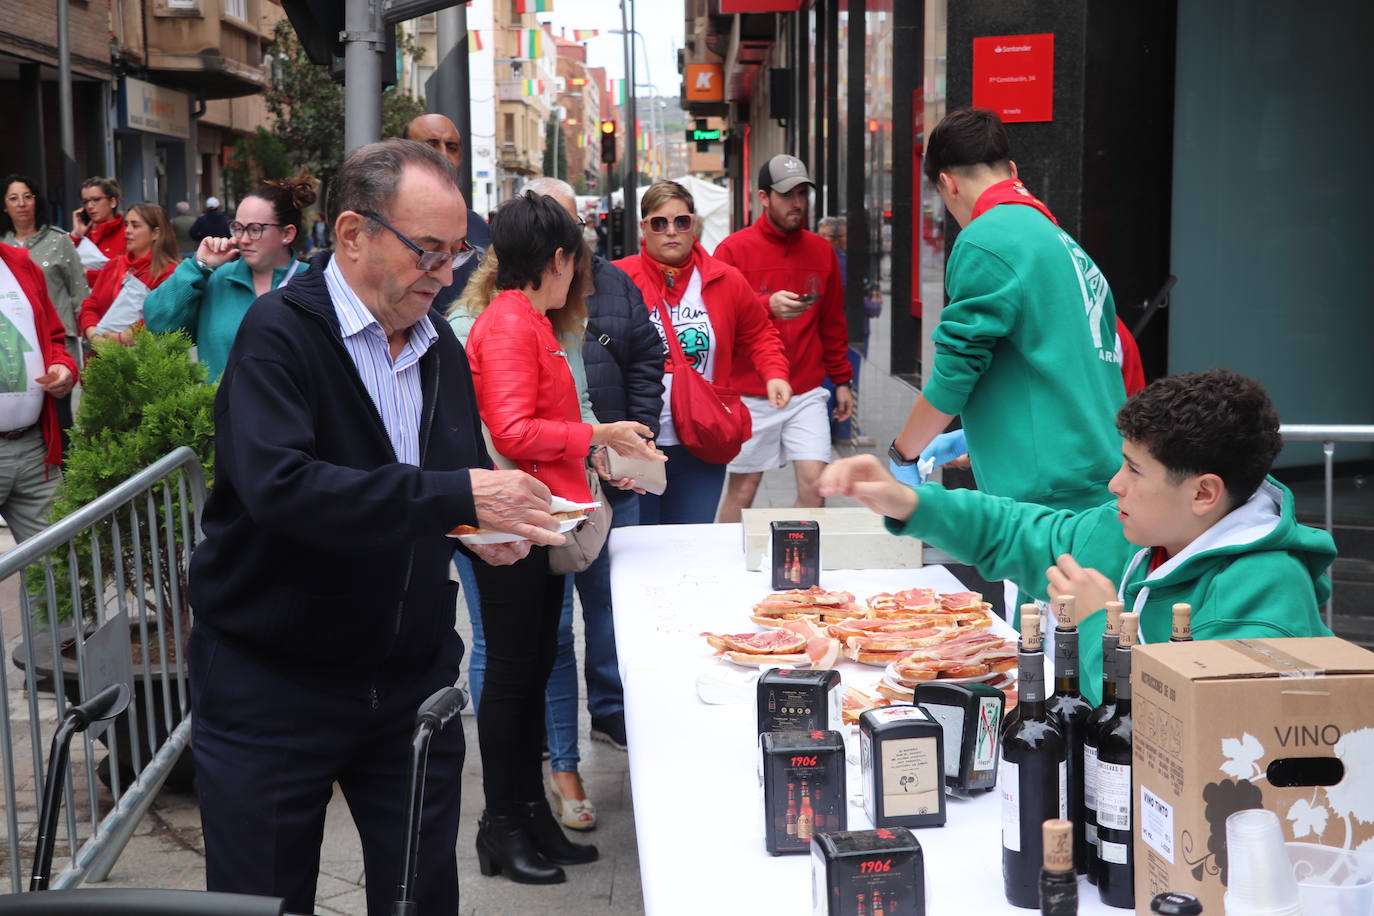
x=1195, y=519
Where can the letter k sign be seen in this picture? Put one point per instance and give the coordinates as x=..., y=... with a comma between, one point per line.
x=704, y=81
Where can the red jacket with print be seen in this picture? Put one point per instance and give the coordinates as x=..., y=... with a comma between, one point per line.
x=526, y=395
x=741, y=328
x=51, y=337
x=816, y=341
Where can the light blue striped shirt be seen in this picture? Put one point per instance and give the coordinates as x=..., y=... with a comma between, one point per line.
x=393, y=384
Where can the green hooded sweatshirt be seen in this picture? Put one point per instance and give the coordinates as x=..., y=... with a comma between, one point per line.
x=1025, y=353
x=1255, y=573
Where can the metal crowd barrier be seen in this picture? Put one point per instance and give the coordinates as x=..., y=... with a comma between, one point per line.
x=1328, y=436
x=122, y=561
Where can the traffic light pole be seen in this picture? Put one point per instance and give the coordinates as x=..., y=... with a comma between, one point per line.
x=362, y=74
x=629, y=190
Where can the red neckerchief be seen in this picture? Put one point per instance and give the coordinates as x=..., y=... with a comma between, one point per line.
x=142, y=268
x=1010, y=191
x=1158, y=557
x=101, y=233
x=671, y=282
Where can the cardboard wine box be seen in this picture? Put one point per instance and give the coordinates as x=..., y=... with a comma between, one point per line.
x=1224, y=725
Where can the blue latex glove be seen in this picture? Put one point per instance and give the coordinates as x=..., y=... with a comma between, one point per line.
x=945, y=447
x=909, y=474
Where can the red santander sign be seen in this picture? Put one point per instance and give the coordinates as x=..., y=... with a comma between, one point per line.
x=1014, y=76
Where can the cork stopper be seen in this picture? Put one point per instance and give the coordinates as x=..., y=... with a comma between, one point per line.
x=1030, y=628
x=1114, y=610
x=1130, y=630
x=1063, y=612
x=1058, y=836
x=1183, y=623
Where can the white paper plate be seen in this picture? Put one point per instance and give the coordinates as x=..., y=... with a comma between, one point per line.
x=890, y=676
x=721, y=686
x=556, y=504
x=765, y=661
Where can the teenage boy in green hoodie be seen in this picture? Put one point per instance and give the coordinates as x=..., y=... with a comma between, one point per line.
x=1195, y=519
x=1026, y=351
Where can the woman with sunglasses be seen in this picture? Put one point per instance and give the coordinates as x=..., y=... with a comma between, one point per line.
x=529, y=402
x=98, y=226
x=209, y=293
x=123, y=284
x=718, y=320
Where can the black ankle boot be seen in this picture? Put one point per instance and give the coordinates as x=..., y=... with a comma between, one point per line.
x=550, y=840
x=506, y=845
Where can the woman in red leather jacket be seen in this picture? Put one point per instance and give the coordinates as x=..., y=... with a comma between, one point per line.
x=528, y=400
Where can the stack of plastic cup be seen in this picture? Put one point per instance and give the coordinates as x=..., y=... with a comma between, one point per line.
x=1333, y=882
x=1261, y=876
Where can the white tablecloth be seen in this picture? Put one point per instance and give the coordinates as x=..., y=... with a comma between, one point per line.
x=693, y=767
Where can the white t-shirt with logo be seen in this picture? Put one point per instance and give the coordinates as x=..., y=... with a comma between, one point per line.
x=698, y=340
x=21, y=357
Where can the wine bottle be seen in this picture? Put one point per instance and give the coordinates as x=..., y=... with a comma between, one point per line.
x=1093, y=727
x=1058, y=881
x=1031, y=775
x=1014, y=714
x=1071, y=711
x=1183, y=623
x=859, y=905
x=1115, y=789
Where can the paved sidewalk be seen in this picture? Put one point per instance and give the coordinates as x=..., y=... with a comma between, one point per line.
x=167, y=850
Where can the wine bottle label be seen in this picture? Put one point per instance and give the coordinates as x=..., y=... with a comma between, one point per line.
x=1009, y=783
x=1114, y=795
x=1114, y=853
x=1089, y=777
x=1090, y=831
x=1157, y=823
x=1063, y=789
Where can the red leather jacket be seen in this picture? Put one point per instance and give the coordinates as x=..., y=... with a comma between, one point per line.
x=526, y=395
x=51, y=337
x=745, y=335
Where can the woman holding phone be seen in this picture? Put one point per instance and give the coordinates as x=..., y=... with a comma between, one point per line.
x=98, y=226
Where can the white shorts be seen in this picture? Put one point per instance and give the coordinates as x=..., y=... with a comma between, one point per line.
x=798, y=432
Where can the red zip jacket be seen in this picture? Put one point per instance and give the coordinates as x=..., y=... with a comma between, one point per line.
x=816, y=341
x=51, y=337
x=109, y=238
x=107, y=284
x=526, y=395
x=744, y=336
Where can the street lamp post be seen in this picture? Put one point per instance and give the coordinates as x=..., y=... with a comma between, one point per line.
x=629, y=195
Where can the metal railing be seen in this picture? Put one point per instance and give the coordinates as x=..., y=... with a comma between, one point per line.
x=1328, y=436
x=118, y=565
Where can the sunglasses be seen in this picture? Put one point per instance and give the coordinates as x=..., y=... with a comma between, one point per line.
x=428, y=260
x=253, y=231
x=659, y=224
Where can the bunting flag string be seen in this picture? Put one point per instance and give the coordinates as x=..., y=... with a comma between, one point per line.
x=533, y=43
x=534, y=6
x=584, y=34
x=474, y=41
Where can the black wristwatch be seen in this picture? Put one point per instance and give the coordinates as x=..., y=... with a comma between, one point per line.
x=898, y=458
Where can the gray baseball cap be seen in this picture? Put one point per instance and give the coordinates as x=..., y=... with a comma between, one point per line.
x=782, y=173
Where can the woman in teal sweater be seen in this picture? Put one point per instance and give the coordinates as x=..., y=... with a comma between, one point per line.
x=208, y=295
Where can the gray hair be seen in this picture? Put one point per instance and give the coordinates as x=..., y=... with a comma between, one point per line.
x=183, y=207
x=553, y=187
x=369, y=177
x=832, y=222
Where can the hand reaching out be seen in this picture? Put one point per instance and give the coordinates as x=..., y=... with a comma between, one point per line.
x=1091, y=589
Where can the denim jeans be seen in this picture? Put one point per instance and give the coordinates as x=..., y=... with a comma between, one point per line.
x=560, y=699
x=692, y=495
x=601, y=667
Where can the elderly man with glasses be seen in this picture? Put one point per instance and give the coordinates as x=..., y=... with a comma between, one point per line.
x=349, y=447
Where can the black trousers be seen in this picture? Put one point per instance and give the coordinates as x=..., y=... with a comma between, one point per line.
x=269, y=749
x=521, y=604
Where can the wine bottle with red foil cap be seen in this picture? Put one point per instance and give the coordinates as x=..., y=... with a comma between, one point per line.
x=1115, y=787
x=1058, y=880
x=1071, y=711
x=1183, y=623
x=1031, y=776
x=1093, y=727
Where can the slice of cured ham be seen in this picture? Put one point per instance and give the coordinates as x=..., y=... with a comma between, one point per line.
x=769, y=642
x=821, y=647
x=961, y=601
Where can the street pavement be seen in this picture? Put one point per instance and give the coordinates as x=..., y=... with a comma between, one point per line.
x=167, y=850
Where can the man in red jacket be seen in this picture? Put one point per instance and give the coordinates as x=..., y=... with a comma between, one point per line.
x=35, y=368
x=796, y=277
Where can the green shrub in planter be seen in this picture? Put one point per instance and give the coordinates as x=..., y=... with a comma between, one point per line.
x=138, y=403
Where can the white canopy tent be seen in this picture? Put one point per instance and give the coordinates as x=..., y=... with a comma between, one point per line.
x=712, y=205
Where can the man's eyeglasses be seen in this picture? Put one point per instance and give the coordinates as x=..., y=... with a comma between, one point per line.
x=252, y=231
x=659, y=224
x=428, y=260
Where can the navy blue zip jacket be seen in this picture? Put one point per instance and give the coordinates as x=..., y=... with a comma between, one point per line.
x=622, y=352
x=321, y=551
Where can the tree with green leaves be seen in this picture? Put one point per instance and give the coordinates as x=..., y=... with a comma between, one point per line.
x=260, y=156
x=307, y=106
x=555, y=163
